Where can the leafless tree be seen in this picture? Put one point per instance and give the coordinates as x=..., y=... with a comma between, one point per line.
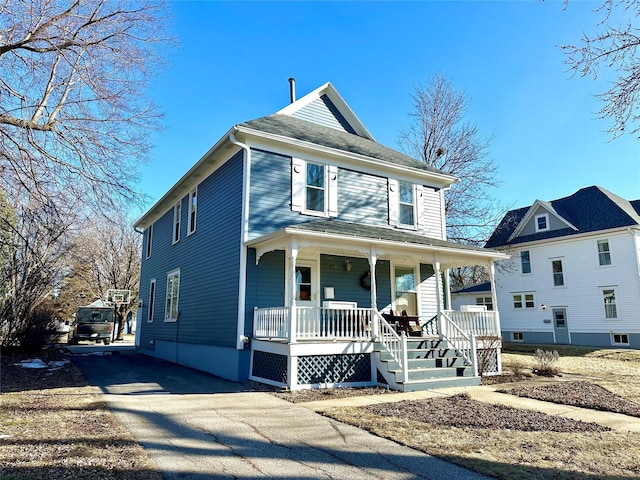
x=106, y=256
x=35, y=240
x=439, y=136
x=613, y=46
x=74, y=120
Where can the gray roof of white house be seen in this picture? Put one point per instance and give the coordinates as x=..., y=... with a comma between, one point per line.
x=590, y=209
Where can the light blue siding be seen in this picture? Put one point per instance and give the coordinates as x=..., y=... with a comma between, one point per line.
x=323, y=112
x=209, y=264
x=362, y=198
x=543, y=338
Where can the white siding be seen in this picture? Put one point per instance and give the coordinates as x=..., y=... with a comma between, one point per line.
x=431, y=221
x=581, y=295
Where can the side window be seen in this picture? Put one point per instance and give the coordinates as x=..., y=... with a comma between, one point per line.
x=173, y=291
x=558, y=274
x=193, y=209
x=314, y=188
x=486, y=301
x=542, y=222
x=176, y=222
x=149, y=240
x=525, y=261
x=604, y=253
x=152, y=300
x=525, y=300
x=610, y=307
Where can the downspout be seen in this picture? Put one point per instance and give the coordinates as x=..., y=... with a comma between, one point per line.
x=136, y=340
x=242, y=339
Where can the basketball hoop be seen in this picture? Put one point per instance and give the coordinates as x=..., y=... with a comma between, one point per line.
x=118, y=297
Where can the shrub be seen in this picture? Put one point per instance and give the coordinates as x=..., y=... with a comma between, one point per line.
x=545, y=362
x=40, y=329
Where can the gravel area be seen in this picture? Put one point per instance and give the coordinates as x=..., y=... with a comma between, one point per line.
x=578, y=394
x=462, y=411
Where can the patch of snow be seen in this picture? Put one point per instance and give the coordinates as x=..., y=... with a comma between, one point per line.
x=32, y=363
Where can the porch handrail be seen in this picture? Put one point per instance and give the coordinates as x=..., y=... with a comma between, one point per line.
x=394, y=344
x=458, y=339
x=483, y=323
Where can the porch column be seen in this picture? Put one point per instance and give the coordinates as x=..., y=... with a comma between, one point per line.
x=375, y=325
x=293, y=290
x=436, y=267
x=494, y=297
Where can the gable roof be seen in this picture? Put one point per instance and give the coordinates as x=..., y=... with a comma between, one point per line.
x=320, y=120
x=531, y=212
x=326, y=98
x=588, y=210
x=309, y=132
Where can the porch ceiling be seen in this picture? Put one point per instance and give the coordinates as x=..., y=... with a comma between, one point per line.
x=351, y=239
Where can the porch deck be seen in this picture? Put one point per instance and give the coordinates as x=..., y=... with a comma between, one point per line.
x=365, y=331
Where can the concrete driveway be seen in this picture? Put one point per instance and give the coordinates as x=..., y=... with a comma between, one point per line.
x=196, y=426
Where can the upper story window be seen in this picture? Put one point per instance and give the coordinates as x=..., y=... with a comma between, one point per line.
x=314, y=188
x=193, y=209
x=149, y=240
x=558, y=274
x=176, y=222
x=604, y=254
x=610, y=307
x=173, y=291
x=525, y=261
x=542, y=222
x=406, y=203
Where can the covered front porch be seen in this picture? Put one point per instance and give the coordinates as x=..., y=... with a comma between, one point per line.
x=367, y=306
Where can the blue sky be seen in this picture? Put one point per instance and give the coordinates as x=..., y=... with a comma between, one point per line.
x=235, y=58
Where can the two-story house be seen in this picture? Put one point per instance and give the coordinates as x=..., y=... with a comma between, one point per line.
x=574, y=273
x=300, y=252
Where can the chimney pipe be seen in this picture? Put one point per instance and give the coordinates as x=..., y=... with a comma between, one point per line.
x=292, y=89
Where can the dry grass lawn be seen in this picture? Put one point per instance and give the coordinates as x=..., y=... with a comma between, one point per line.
x=514, y=454
x=54, y=426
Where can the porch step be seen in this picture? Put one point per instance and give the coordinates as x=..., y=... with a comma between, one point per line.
x=431, y=373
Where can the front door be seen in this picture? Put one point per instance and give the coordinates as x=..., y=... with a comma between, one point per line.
x=560, y=326
x=307, y=283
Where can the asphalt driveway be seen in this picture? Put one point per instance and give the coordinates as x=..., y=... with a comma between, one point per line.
x=196, y=426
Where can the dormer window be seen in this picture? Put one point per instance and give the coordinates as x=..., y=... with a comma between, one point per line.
x=542, y=223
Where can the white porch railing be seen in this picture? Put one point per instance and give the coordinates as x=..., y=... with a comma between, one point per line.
x=464, y=343
x=479, y=324
x=313, y=323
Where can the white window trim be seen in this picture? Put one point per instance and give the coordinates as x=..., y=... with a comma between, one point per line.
x=177, y=217
x=598, y=252
x=416, y=283
x=613, y=342
x=553, y=275
x=149, y=241
x=177, y=300
x=523, y=300
x=152, y=300
x=604, y=308
x=522, y=272
x=514, y=339
x=546, y=217
x=193, y=219
x=299, y=189
x=393, y=197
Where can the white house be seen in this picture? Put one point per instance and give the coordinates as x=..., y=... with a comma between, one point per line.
x=574, y=273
